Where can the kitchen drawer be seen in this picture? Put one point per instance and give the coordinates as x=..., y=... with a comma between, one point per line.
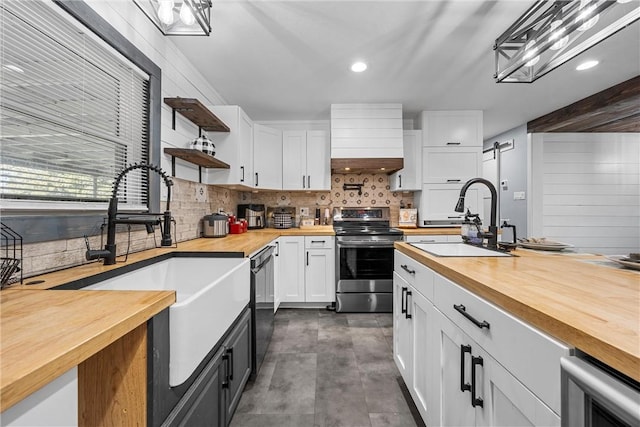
x=517, y=345
x=414, y=273
x=319, y=242
x=426, y=239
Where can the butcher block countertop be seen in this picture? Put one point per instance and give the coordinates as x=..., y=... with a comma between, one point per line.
x=46, y=333
x=588, y=306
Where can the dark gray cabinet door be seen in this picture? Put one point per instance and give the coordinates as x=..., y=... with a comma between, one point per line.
x=204, y=404
x=238, y=348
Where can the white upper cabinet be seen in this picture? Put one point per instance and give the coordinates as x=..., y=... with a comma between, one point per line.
x=366, y=131
x=234, y=148
x=451, y=128
x=409, y=178
x=267, y=157
x=305, y=160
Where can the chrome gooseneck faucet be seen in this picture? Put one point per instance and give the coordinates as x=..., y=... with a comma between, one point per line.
x=492, y=235
x=109, y=252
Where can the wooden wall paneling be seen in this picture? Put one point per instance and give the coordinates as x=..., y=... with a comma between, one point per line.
x=616, y=109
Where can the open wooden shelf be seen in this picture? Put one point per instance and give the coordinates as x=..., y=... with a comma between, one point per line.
x=200, y=115
x=196, y=157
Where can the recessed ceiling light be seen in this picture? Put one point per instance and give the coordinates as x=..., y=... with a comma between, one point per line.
x=587, y=64
x=358, y=67
x=382, y=169
x=347, y=169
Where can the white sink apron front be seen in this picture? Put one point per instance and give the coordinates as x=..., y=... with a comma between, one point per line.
x=210, y=294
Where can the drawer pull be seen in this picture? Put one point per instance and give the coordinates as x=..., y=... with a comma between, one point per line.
x=475, y=401
x=407, y=269
x=402, y=301
x=463, y=385
x=454, y=180
x=407, y=315
x=318, y=241
x=453, y=143
x=463, y=310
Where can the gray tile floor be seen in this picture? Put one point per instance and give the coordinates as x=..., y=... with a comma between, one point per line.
x=326, y=369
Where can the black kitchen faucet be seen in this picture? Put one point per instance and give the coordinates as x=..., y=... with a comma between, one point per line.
x=109, y=251
x=492, y=235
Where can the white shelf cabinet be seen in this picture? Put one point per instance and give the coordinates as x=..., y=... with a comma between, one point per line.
x=305, y=160
x=409, y=178
x=234, y=148
x=267, y=157
x=451, y=165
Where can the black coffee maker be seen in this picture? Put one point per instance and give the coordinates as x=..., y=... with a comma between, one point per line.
x=254, y=214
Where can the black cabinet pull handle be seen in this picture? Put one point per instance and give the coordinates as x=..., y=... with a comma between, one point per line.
x=454, y=217
x=400, y=178
x=230, y=353
x=463, y=310
x=277, y=248
x=407, y=315
x=407, y=269
x=225, y=383
x=307, y=257
x=475, y=400
x=256, y=179
x=453, y=143
x=242, y=168
x=317, y=241
x=464, y=349
x=308, y=181
x=402, y=302
x=453, y=180
x=303, y=182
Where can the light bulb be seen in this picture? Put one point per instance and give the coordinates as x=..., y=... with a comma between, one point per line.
x=556, y=34
x=165, y=12
x=585, y=16
x=186, y=16
x=530, y=54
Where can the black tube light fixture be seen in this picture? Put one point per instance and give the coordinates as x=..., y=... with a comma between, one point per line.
x=178, y=17
x=551, y=33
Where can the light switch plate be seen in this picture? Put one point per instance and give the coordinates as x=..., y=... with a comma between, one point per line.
x=304, y=211
x=201, y=193
x=518, y=195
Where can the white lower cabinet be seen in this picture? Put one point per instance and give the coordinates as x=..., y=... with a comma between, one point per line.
x=475, y=390
x=306, y=269
x=467, y=362
x=291, y=274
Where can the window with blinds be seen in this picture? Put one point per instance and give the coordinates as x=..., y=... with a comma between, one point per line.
x=74, y=112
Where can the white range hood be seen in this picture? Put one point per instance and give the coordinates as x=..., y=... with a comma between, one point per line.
x=366, y=138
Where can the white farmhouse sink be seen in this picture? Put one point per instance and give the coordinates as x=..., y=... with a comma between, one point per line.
x=210, y=294
x=458, y=250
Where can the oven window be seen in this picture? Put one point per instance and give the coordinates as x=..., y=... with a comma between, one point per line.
x=366, y=263
x=601, y=417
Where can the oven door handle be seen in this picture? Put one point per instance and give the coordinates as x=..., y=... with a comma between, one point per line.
x=367, y=245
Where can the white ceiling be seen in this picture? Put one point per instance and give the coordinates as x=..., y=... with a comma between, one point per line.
x=289, y=60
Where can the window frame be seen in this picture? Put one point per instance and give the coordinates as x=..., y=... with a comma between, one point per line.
x=37, y=225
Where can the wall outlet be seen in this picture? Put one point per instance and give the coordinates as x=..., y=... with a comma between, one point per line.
x=201, y=193
x=504, y=184
x=304, y=211
x=518, y=195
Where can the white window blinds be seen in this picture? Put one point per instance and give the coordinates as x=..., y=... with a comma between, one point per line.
x=74, y=113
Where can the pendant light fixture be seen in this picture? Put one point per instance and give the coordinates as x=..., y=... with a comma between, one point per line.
x=179, y=17
x=551, y=33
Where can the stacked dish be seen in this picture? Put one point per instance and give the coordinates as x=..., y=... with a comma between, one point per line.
x=542, y=244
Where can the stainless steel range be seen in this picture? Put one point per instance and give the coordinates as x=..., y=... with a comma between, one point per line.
x=364, y=259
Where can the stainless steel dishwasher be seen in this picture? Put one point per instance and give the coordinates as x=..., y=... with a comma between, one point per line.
x=262, y=304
